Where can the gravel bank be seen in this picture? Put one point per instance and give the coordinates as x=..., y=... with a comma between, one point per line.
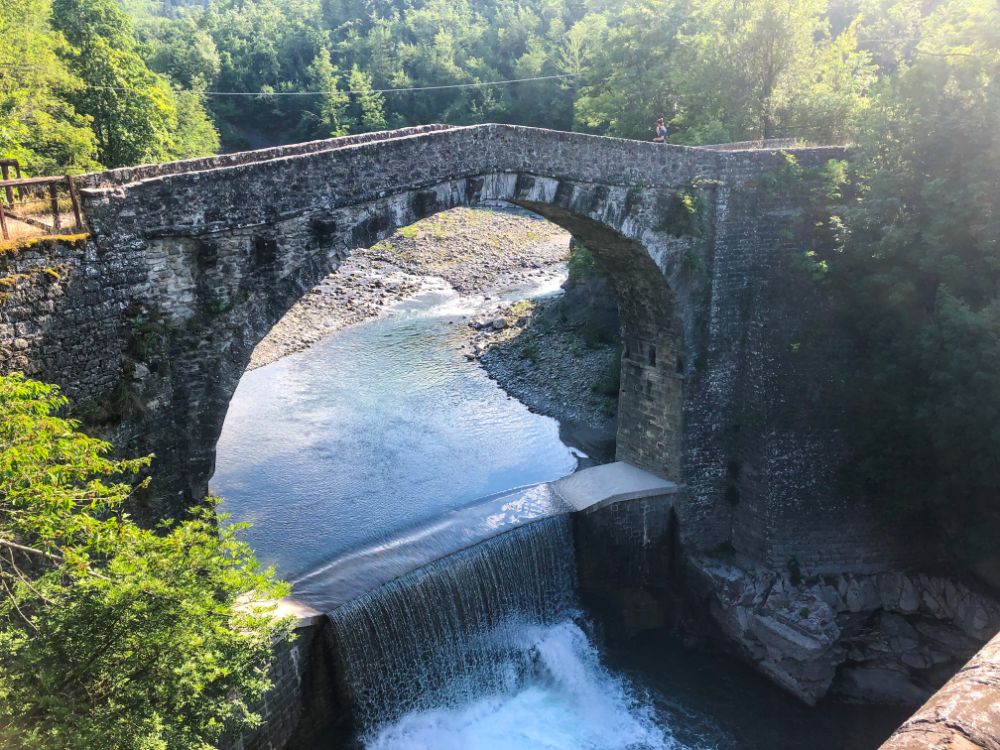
x=542, y=359
x=477, y=251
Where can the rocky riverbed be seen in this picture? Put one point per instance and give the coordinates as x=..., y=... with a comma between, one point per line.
x=477, y=251
x=541, y=352
x=538, y=356
x=888, y=638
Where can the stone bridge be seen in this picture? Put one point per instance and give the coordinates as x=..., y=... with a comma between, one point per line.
x=148, y=324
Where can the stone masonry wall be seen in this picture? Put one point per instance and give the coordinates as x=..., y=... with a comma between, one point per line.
x=127, y=175
x=300, y=709
x=624, y=557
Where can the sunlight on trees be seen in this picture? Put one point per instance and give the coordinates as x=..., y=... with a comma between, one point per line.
x=114, y=635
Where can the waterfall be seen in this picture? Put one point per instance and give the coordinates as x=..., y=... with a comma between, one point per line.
x=453, y=630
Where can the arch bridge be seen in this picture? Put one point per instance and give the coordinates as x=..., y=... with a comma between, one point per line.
x=731, y=369
x=149, y=322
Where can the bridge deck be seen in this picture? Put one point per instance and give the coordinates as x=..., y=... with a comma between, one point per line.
x=129, y=175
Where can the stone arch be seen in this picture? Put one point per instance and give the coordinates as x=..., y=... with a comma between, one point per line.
x=252, y=278
x=650, y=397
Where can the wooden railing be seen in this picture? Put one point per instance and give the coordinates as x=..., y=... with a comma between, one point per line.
x=33, y=206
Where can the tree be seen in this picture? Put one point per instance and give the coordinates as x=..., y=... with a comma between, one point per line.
x=112, y=635
x=130, y=107
x=331, y=118
x=764, y=69
x=133, y=110
x=367, y=108
x=920, y=273
x=185, y=52
x=721, y=71
x=629, y=56
x=38, y=125
x=195, y=133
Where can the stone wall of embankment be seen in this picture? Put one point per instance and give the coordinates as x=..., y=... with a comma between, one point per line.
x=300, y=711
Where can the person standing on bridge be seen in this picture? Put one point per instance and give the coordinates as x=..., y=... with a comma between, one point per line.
x=661, y=132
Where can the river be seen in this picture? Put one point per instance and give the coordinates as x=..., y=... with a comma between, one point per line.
x=374, y=430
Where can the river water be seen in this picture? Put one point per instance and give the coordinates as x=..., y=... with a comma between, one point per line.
x=384, y=430
x=374, y=430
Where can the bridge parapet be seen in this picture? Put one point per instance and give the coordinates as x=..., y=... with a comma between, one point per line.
x=127, y=175
x=252, y=188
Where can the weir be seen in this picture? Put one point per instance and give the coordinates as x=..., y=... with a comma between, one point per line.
x=455, y=629
x=350, y=576
x=484, y=601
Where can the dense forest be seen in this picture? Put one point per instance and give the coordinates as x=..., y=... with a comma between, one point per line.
x=86, y=82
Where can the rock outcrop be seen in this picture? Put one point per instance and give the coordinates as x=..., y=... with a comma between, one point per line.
x=885, y=637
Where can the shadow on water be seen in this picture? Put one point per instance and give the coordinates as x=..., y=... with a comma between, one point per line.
x=712, y=700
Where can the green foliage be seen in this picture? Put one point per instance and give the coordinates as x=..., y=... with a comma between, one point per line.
x=367, y=110
x=582, y=265
x=75, y=92
x=815, y=267
x=331, y=116
x=920, y=272
x=596, y=331
x=722, y=71
x=530, y=352
x=113, y=635
x=38, y=125
x=684, y=214
x=134, y=111
x=819, y=185
x=718, y=71
x=195, y=133
x=144, y=336
x=611, y=382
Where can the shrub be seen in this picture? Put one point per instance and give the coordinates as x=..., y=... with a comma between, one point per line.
x=112, y=635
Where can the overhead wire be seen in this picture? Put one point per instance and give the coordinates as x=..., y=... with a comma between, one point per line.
x=397, y=90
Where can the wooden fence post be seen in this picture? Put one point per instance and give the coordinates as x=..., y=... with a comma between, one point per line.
x=75, y=201
x=56, y=221
x=5, y=171
x=3, y=223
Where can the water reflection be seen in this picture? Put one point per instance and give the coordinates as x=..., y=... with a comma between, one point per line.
x=374, y=430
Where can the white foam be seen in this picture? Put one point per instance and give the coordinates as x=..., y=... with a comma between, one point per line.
x=569, y=702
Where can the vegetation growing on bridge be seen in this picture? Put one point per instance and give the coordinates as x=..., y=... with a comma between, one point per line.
x=113, y=635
